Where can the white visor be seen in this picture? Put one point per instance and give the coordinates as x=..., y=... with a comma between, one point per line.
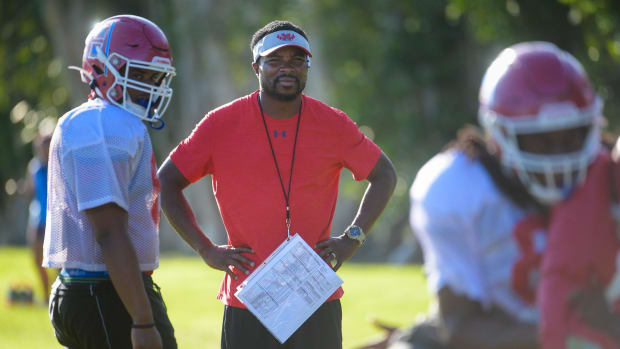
x=276, y=40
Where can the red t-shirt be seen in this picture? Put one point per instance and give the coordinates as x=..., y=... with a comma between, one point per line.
x=230, y=144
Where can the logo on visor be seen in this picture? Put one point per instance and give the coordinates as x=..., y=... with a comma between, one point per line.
x=286, y=36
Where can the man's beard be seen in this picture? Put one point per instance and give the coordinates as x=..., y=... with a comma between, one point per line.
x=270, y=89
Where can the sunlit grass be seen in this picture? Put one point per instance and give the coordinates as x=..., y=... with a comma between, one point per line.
x=393, y=293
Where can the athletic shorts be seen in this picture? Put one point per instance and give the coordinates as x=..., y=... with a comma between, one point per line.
x=92, y=316
x=242, y=330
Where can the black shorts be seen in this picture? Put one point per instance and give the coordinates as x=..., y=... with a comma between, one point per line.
x=92, y=316
x=242, y=330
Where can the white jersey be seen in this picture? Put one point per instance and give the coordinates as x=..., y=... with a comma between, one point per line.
x=466, y=226
x=100, y=154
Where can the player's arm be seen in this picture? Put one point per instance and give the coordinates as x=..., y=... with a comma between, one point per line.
x=382, y=180
x=110, y=225
x=182, y=218
x=465, y=324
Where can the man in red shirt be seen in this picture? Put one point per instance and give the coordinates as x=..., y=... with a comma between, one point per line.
x=275, y=157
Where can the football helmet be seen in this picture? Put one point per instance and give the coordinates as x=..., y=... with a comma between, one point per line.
x=536, y=88
x=114, y=47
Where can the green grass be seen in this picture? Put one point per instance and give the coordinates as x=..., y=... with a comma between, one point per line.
x=393, y=293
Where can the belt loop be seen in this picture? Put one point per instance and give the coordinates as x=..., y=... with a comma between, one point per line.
x=91, y=290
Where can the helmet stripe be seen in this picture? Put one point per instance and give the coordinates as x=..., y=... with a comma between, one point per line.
x=107, y=47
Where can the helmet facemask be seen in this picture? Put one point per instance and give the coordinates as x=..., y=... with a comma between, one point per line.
x=548, y=176
x=150, y=109
x=539, y=108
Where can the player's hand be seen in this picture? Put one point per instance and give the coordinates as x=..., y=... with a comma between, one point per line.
x=383, y=343
x=337, y=249
x=225, y=257
x=145, y=338
x=592, y=308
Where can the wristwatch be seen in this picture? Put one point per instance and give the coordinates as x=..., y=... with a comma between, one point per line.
x=356, y=233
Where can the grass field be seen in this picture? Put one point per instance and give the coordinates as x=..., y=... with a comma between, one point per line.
x=393, y=293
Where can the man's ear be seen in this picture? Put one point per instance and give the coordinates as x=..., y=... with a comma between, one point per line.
x=255, y=67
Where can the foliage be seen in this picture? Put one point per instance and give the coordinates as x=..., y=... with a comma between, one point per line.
x=406, y=71
x=410, y=70
x=31, y=95
x=589, y=29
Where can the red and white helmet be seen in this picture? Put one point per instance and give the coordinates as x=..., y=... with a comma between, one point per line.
x=112, y=48
x=532, y=88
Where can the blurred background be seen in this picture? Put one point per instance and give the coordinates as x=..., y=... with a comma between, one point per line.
x=406, y=71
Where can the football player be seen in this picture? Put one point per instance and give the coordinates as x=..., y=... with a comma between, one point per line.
x=479, y=207
x=103, y=211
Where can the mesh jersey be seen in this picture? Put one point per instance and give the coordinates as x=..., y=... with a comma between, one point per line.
x=100, y=154
x=475, y=240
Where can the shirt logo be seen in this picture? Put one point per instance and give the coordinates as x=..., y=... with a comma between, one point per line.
x=282, y=133
x=286, y=36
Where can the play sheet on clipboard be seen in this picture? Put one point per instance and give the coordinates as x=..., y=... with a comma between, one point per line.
x=290, y=285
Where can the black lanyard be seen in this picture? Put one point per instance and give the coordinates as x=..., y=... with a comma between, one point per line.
x=287, y=194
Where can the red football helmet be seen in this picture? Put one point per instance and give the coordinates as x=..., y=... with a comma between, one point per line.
x=118, y=44
x=536, y=88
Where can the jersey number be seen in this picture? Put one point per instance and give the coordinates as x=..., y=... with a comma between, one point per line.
x=529, y=235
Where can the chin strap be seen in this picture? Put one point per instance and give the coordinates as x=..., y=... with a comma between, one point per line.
x=89, y=79
x=158, y=124
x=83, y=72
